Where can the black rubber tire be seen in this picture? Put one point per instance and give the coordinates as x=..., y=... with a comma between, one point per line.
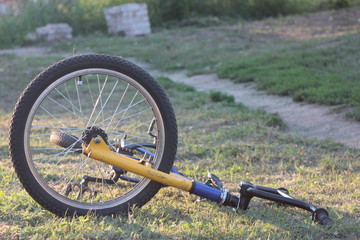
x=59, y=204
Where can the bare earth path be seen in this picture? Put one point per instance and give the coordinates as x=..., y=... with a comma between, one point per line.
x=311, y=121
x=308, y=120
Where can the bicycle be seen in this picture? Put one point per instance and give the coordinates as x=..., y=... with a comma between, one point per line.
x=97, y=134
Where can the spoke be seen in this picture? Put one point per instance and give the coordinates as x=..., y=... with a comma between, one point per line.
x=107, y=125
x=117, y=107
x=59, y=128
x=101, y=103
x=135, y=114
x=108, y=187
x=103, y=106
x=50, y=127
x=130, y=130
x=117, y=134
x=45, y=149
x=52, y=155
x=77, y=92
x=102, y=181
x=68, y=94
x=71, y=104
x=66, y=185
x=138, y=137
x=125, y=110
x=49, y=134
x=40, y=135
x=66, y=108
x=91, y=96
x=65, y=152
x=141, y=136
x=97, y=102
x=81, y=164
x=78, y=165
x=53, y=117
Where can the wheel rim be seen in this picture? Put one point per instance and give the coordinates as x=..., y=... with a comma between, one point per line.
x=90, y=97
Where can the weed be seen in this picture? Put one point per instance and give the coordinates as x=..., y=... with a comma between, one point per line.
x=217, y=96
x=354, y=113
x=274, y=120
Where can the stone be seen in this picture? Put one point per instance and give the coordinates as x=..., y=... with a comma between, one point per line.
x=129, y=19
x=54, y=32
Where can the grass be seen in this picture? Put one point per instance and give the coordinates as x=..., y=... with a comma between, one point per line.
x=239, y=145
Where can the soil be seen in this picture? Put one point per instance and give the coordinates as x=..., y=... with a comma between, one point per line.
x=311, y=121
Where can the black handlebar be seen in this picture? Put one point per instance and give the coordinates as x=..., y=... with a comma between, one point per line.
x=281, y=195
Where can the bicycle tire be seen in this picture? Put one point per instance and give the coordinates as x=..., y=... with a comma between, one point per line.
x=62, y=98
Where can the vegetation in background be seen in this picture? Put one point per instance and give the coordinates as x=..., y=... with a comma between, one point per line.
x=86, y=16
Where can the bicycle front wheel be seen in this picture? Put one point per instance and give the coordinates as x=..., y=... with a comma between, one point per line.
x=85, y=93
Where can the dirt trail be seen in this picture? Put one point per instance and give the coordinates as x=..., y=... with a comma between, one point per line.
x=308, y=120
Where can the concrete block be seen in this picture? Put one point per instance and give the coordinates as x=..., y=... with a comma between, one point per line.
x=131, y=19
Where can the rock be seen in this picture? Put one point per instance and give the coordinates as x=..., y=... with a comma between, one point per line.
x=130, y=19
x=52, y=32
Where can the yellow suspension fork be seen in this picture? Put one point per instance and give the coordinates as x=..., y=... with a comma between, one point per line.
x=100, y=151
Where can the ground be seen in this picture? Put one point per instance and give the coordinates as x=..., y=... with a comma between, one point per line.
x=239, y=145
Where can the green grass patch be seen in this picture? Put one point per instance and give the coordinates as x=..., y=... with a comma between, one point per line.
x=303, y=71
x=217, y=96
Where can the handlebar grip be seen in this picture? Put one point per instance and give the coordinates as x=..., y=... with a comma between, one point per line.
x=322, y=216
